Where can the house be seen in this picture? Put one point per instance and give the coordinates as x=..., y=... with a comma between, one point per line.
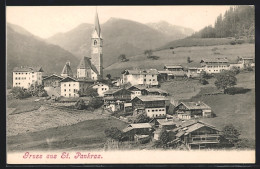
x=198, y=135
x=66, y=71
x=215, y=65
x=137, y=129
x=70, y=87
x=101, y=88
x=246, y=61
x=26, y=76
x=52, y=81
x=189, y=110
x=140, y=77
x=114, y=99
x=153, y=106
x=172, y=72
x=138, y=90
x=167, y=124
x=194, y=70
x=116, y=81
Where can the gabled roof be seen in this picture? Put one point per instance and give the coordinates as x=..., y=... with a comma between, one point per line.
x=139, y=87
x=173, y=66
x=247, y=58
x=140, y=125
x=85, y=63
x=53, y=75
x=165, y=122
x=67, y=70
x=28, y=69
x=195, y=105
x=141, y=72
x=151, y=98
x=215, y=60
x=71, y=79
x=115, y=90
x=156, y=90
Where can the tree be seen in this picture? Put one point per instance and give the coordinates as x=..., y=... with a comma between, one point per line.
x=235, y=69
x=231, y=133
x=20, y=93
x=80, y=104
x=164, y=138
x=148, y=53
x=225, y=79
x=113, y=133
x=122, y=58
x=95, y=103
x=108, y=76
x=90, y=92
x=37, y=90
x=141, y=118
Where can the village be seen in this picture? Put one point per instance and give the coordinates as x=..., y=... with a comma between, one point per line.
x=151, y=114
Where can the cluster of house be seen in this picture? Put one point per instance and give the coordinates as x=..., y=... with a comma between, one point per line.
x=193, y=134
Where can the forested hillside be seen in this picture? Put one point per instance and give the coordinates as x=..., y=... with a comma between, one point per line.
x=237, y=21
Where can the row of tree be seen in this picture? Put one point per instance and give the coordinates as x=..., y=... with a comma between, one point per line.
x=237, y=21
x=33, y=90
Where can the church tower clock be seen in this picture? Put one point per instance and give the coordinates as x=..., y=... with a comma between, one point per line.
x=96, y=50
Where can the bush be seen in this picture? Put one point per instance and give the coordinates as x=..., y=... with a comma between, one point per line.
x=20, y=93
x=249, y=68
x=95, y=103
x=114, y=133
x=240, y=41
x=145, y=140
x=232, y=42
x=236, y=70
x=203, y=81
x=37, y=90
x=236, y=90
x=80, y=104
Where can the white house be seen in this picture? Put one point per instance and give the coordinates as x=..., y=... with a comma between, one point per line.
x=101, y=88
x=215, y=65
x=140, y=77
x=70, y=87
x=26, y=76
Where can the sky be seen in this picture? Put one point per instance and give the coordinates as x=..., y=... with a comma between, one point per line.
x=45, y=21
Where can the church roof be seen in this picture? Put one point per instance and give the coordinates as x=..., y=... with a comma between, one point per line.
x=85, y=63
x=67, y=70
x=97, y=25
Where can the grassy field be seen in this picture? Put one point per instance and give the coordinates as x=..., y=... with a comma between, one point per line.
x=238, y=109
x=180, y=55
x=84, y=135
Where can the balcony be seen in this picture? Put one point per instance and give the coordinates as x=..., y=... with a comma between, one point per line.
x=204, y=139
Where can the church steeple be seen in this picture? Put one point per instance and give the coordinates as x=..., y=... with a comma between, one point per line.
x=97, y=25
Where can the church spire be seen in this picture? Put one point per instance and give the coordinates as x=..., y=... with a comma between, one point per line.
x=97, y=25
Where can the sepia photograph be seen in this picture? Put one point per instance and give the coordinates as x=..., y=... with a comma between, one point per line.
x=130, y=84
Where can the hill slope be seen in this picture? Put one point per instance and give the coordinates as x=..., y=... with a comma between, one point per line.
x=120, y=37
x=24, y=49
x=177, y=32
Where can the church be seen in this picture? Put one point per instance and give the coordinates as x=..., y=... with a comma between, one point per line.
x=92, y=68
x=89, y=70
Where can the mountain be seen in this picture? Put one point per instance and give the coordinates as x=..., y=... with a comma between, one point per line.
x=24, y=49
x=177, y=32
x=120, y=37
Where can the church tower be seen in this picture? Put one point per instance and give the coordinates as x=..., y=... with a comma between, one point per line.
x=96, y=50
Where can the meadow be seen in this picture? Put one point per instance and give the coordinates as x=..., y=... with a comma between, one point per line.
x=196, y=53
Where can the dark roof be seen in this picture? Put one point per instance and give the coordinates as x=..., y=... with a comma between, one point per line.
x=68, y=79
x=151, y=98
x=141, y=72
x=53, y=75
x=140, y=87
x=114, y=90
x=67, y=70
x=28, y=69
x=215, y=60
x=195, y=105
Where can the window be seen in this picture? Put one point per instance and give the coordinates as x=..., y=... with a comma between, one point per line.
x=69, y=95
x=152, y=110
x=145, y=80
x=148, y=110
x=64, y=90
x=150, y=80
x=153, y=79
x=64, y=94
x=95, y=42
x=16, y=78
x=156, y=110
x=69, y=90
x=64, y=85
x=32, y=75
x=152, y=75
x=69, y=85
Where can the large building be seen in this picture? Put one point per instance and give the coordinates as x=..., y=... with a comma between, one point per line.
x=26, y=76
x=140, y=77
x=215, y=65
x=72, y=87
x=92, y=68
